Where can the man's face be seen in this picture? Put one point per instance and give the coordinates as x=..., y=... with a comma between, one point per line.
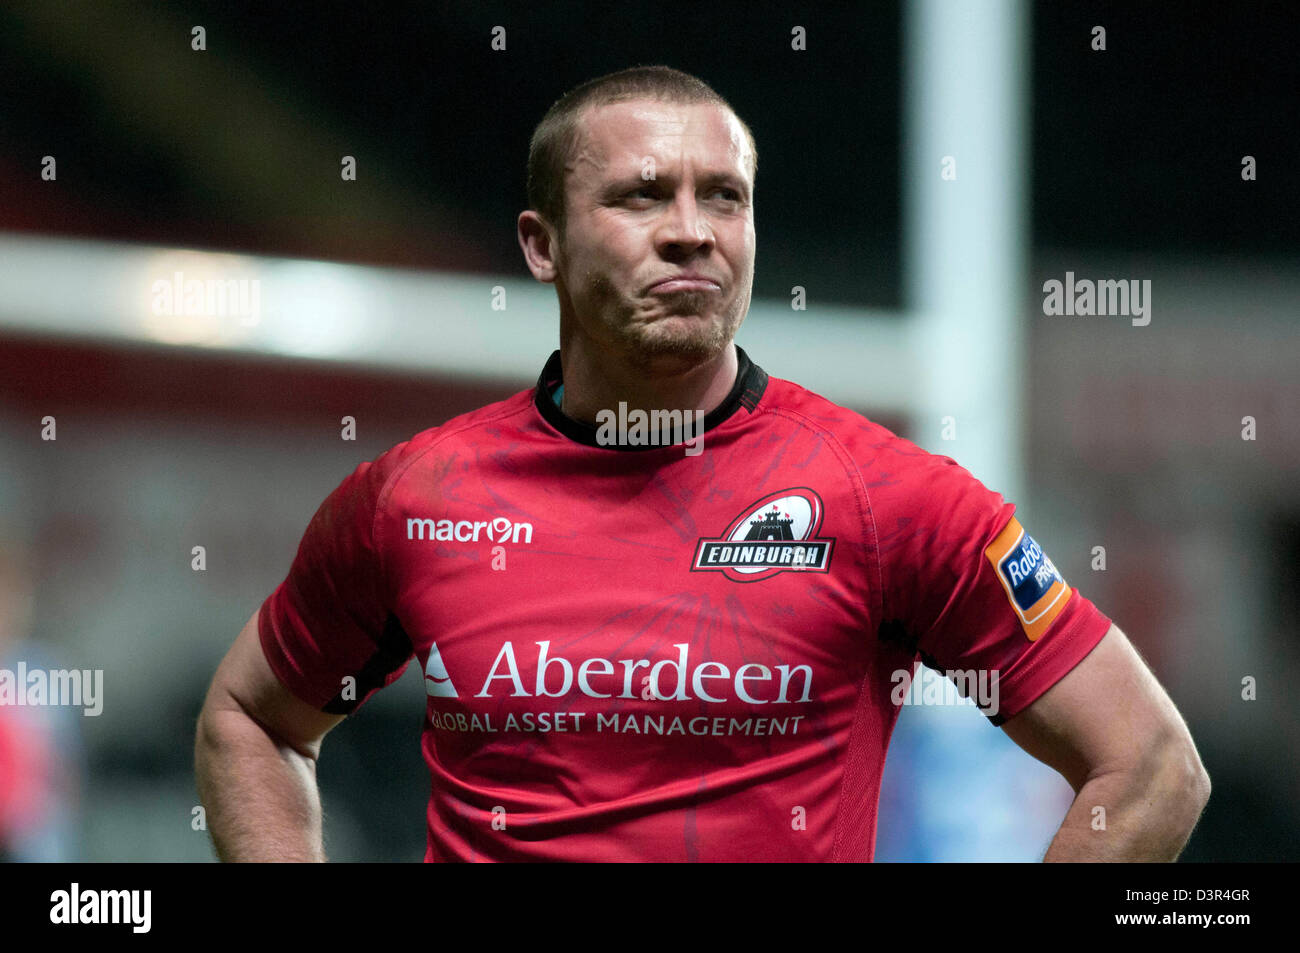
x=656, y=190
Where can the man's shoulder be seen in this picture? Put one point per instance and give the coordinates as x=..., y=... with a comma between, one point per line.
x=445, y=440
x=465, y=426
x=853, y=429
x=882, y=456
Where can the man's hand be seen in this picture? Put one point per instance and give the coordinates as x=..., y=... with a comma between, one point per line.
x=255, y=756
x=1112, y=732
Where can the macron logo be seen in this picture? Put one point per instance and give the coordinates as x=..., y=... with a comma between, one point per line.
x=499, y=530
x=437, y=683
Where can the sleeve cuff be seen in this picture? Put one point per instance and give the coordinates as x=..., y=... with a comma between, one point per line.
x=1050, y=659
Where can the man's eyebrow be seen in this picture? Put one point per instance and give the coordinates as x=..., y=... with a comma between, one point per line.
x=739, y=182
x=633, y=178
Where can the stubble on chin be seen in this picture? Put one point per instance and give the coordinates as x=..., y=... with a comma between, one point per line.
x=687, y=341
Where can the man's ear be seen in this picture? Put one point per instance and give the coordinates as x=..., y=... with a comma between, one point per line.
x=540, y=246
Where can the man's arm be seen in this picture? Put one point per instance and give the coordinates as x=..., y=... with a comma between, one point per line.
x=255, y=752
x=1112, y=732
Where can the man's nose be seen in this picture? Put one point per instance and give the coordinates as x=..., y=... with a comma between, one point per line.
x=684, y=230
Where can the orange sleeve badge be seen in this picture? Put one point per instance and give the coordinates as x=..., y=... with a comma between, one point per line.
x=1033, y=584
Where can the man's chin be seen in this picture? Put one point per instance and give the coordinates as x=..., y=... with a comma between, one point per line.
x=677, y=343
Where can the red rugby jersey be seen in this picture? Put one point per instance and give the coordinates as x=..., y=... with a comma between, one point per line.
x=639, y=653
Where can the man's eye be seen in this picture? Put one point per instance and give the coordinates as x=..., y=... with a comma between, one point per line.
x=645, y=192
x=731, y=195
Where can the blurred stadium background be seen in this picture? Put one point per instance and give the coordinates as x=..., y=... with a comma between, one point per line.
x=924, y=300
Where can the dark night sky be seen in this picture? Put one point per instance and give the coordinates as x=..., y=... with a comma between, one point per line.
x=1136, y=149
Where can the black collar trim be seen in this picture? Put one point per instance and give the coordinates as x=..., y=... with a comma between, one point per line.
x=746, y=392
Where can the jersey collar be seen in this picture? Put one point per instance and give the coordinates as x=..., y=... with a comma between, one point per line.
x=746, y=392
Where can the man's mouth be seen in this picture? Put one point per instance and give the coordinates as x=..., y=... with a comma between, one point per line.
x=685, y=283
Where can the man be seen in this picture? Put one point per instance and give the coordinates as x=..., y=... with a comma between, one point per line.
x=682, y=649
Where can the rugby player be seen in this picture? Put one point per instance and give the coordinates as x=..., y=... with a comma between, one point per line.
x=635, y=652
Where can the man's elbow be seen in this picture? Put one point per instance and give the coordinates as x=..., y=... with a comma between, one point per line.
x=1180, y=783
x=1164, y=781
x=1183, y=768
x=1198, y=782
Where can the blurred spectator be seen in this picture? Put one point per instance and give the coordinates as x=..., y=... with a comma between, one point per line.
x=40, y=747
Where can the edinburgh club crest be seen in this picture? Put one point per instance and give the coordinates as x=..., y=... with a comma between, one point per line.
x=774, y=535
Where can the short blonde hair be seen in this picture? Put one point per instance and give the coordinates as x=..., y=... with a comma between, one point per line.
x=556, y=136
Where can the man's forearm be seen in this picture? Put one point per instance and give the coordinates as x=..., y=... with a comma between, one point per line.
x=1133, y=815
x=260, y=796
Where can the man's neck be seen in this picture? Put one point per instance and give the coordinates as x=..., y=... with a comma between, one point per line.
x=594, y=382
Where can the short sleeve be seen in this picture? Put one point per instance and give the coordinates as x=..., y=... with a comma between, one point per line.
x=331, y=619
x=971, y=588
